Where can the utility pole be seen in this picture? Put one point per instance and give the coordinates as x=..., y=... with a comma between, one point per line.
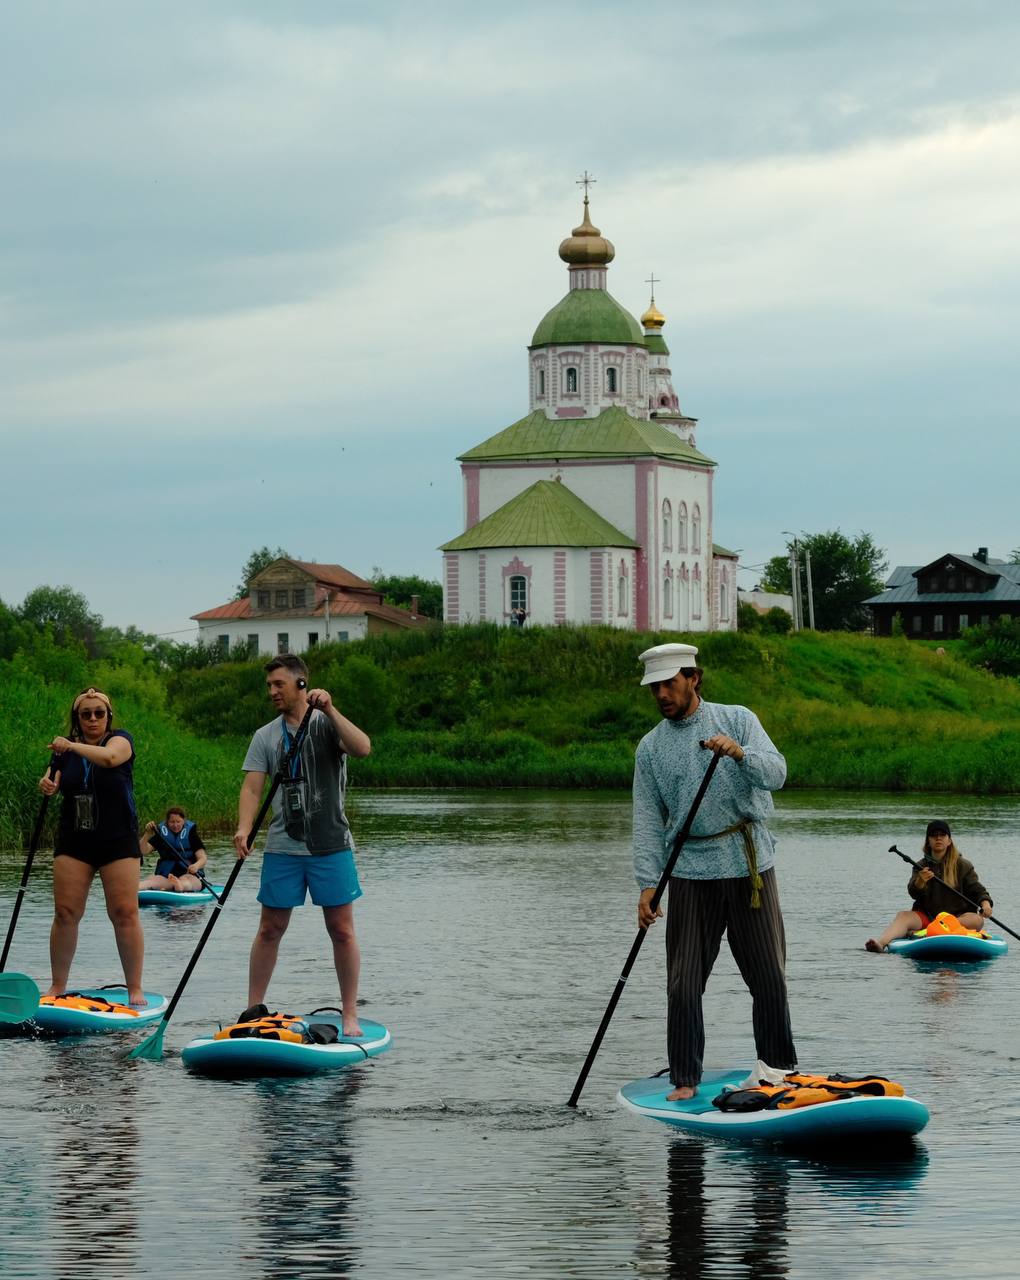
x=810, y=594
x=795, y=585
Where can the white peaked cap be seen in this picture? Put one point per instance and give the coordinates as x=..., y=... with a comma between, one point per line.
x=665, y=660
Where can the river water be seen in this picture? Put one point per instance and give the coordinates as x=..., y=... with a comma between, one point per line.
x=493, y=930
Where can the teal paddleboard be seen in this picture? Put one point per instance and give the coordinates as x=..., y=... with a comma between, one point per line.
x=61, y=1020
x=251, y=1056
x=167, y=898
x=950, y=946
x=853, y=1119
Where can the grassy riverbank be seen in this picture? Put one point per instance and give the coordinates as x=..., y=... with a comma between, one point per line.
x=489, y=707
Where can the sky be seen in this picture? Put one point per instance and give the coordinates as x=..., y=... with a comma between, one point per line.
x=267, y=269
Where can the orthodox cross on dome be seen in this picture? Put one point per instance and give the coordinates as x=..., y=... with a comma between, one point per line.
x=653, y=280
x=586, y=181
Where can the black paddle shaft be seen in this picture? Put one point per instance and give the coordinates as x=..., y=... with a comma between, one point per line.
x=919, y=866
x=33, y=845
x=284, y=769
x=660, y=889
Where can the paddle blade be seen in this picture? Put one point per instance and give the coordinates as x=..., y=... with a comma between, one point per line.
x=19, y=997
x=151, y=1047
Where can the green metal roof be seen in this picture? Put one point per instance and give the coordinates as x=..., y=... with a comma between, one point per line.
x=717, y=550
x=656, y=343
x=548, y=514
x=587, y=315
x=613, y=434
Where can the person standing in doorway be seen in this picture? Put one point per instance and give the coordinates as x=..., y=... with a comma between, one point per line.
x=724, y=880
x=308, y=847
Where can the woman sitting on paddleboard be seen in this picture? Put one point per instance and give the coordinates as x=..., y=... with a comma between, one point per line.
x=181, y=855
x=930, y=897
x=97, y=831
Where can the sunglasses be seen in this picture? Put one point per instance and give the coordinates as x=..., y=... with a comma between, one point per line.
x=88, y=714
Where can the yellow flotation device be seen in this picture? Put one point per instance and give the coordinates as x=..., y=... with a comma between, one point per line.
x=91, y=1004
x=274, y=1026
x=802, y=1089
x=945, y=923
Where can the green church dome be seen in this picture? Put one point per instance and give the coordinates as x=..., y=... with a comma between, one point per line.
x=587, y=315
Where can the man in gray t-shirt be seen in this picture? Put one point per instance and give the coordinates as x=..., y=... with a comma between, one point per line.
x=309, y=849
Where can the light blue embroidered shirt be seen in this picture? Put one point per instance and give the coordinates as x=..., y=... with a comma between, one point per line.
x=668, y=768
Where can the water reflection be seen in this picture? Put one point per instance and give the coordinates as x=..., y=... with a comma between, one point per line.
x=94, y=1166
x=299, y=1191
x=734, y=1211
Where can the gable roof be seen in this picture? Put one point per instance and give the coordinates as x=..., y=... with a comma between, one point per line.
x=547, y=514
x=330, y=575
x=902, y=584
x=613, y=434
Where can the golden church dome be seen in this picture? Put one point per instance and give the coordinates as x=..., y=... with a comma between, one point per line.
x=653, y=317
x=587, y=246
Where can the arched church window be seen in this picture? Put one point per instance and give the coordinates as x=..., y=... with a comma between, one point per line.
x=681, y=527
x=663, y=402
x=612, y=378
x=696, y=594
x=696, y=528
x=571, y=380
x=724, y=600
x=518, y=592
x=667, y=526
x=622, y=591
x=541, y=382
x=667, y=597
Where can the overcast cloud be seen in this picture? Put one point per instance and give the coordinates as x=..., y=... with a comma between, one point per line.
x=266, y=269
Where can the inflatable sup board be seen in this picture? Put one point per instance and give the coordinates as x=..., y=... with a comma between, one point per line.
x=950, y=946
x=67, y=1020
x=847, y=1119
x=167, y=898
x=258, y=1056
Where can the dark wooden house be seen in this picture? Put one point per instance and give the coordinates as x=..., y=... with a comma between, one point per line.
x=948, y=595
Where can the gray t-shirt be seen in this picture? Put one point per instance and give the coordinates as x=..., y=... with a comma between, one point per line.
x=308, y=808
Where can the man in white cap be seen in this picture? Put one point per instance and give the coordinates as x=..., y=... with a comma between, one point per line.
x=723, y=881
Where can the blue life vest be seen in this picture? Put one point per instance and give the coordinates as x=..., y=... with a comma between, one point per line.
x=181, y=857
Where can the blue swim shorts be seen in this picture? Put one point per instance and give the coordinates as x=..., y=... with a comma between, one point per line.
x=330, y=878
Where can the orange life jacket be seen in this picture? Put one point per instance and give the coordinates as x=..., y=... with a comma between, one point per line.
x=945, y=923
x=91, y=1004
x=275, y=1026
x=801, y=1089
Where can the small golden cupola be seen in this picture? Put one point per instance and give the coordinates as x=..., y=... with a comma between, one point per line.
x=586, y=246
x=653, y=318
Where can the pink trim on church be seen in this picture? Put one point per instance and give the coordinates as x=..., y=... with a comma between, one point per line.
x=642, y=470
x=559, y=587
x=516, y=566
x=451, y=563
x=472, y=477
x=597, y=579
x=481, y=585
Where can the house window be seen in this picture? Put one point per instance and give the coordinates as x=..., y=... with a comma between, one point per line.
x=282, y=642
x=696, y=528
x=917, y=622
x=313, y=639
x=253, y=645
x=541, y=382
x=951, y=582
x=622, y=591
x=667, y=598
x=282, y=598
x=968, y=582
x=264, y=599
x=343, y=636
x=297, y=598
x=681, y=527
x=667, y=526
x=518, y=592
x=223, y=642
x=984, y=619
x=964, y=621
x=571, y=380
x=611, y=381
x=937, y=622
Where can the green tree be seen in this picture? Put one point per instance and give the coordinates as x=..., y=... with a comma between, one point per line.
x=66, y=611
x=844, y=572
x=255, y=563
x=747, y=617
x=776, y=622
x=365, y=693
x=399, y=589
x=1014, y=556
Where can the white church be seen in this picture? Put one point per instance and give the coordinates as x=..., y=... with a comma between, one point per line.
x=596, y=508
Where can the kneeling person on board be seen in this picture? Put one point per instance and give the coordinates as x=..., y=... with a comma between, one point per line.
x=723, y=881
x=181, y=854
x=309, y=846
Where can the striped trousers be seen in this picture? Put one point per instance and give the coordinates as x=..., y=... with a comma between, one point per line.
x=699, y=912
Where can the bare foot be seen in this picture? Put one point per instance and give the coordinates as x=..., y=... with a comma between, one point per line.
x=872, y=945
x=55, y=990
x=682, y=1093
x=137, y=1000
x=175, y=884
x=352, y=1027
